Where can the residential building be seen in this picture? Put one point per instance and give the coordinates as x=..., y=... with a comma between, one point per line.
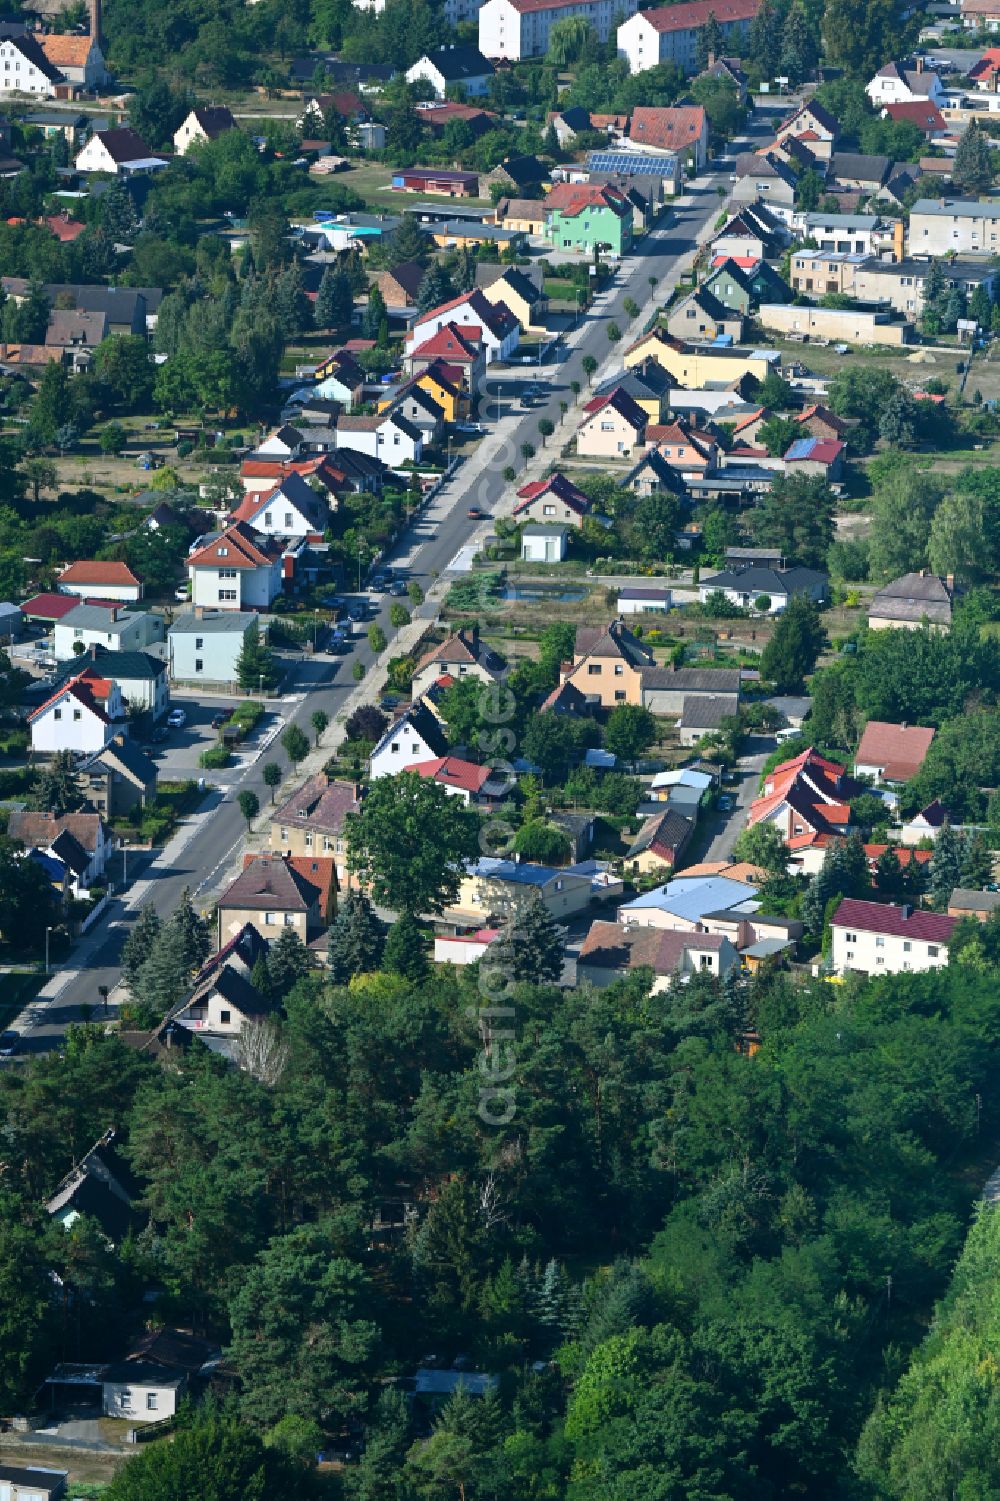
x=697, y=366
x=888, y=940
x=104, y=580
x=519, y=289
x=237, y=570
x=103, y=1187
x=839, y=325
x=81, y=716
x=820, y=422
x=119, y=778
x=204, y=647
x=704, y=714
x=271, y=894
x=551, y=501
x=497, y=327
x=700, y=315
x=149, y=1384
x=817, y=458
x=695, y=904
x=686, y=450
x=515, y=29
x=860, y=173
x=524, y=215
x=765, y=176
x=460, y=351
x=415, y=736
x=908, y=602
x=414, y=402
x=451, y=67
x=500, y=889
x=682, y=129
x=108, y=626
x=659, y=844
x=222, y=1004
x=891, y=752
x=966, y=903
x=388, y=436
x=464, y=948
x=400, y=285
x=544, y=542
x=636, y=599
x=611, y=428
x=581, y=216
x=443, y=383
x=750, y=236
x=670, y=33
x=905, y=83
x=655, y=475
x=463, y=655
x=78, y=838
x=862, y=234
x=120, y=152
x=142, y=678
x=482, y=786
x=900, y=284
x=927, y=824
x=953, y=225
x=608, y=663
x=610, y=952
x=808, y=800
x=312, y=822
x=202, y=124
x=921, y=113
x=818, y=272
x=293, y=509
x=31, y=1483
x=814, y=126
x=25, y=69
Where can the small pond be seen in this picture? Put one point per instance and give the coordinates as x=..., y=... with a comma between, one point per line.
x=541, y=594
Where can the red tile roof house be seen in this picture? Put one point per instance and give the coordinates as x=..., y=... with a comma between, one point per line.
x=683, y=129
x=613, y=425
x=480, y=785
x=81, y=716
x=552, y=500
x=455, y=346
x=891, y=752
x=319, y=871
x=108, y=580
x=808, y=799
x=239, y=570
x=888, y=940
x=922, y=113
x=610, y=951
x=500, y=330
x=820, y=422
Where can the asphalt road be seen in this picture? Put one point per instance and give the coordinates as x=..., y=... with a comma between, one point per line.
x=434, y=541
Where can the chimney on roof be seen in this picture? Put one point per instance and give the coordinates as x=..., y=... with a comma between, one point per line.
x=920, y=65
x=711, y=59
x=949, y=580
x=905, y=910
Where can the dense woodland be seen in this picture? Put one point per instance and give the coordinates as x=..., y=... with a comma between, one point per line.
x=697, y=1273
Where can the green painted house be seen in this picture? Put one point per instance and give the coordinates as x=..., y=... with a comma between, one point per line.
x=741, y=288
x=581, y=216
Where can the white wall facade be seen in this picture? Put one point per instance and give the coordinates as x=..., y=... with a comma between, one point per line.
x=399, y=748
x=974, y=226
x=140, y=1403
x=504, y=31
x=878, y=953
x=68, y=724
x=235, y=588
x=127, y=594
x=19, y=76
x=643, y=46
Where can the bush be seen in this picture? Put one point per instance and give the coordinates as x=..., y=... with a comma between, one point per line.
x=248, y=714
x=214, y=758
x=185, y=448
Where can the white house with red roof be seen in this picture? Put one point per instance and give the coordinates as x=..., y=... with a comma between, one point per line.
x=481, y=785
x=238, y=570
x=892, y=752
x=816, y=457
x=612, y=426
x=459, y=350
x=690, y=452
x=82, y=716
x=515, y=29
x=500, y=330
x=95, y=580
x=808, y=801
x=291, y=509
x=888, y=940
x=551, y=500
x=680, y=128
x=670, y=33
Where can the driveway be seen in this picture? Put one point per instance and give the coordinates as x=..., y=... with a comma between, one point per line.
x=732, y=824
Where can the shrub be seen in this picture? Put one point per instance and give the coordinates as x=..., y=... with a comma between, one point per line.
x=185, y=448
x=214, y=758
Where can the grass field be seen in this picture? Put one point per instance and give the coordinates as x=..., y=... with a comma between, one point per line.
x=372, y=181
x=825, y=362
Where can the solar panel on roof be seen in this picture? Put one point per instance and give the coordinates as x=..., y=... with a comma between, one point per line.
x=631, y=163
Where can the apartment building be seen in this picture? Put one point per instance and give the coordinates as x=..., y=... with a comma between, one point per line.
x=888, y=940
x=669, y=34
x=516, y=29
x=945, y=225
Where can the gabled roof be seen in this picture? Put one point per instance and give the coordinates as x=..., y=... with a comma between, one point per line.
x=814, y=450
x=65, y=51
x=82, y=690
x=234, y=988
x=49, y=606
x=449, y=343
x=892, y=921
x=34, y=54
x=900, y=749
x=555, y=484
x=696, y=14
x=614, y=640
x=465, y=648
x=130, y=760
x=617, y=401
x=270, y=881
x=214, y=119
x=123, y=145
x=856, y=167
x=919, y=112
x=662, y=950
x=98, y=574
x=239, y=546
x=572, y=198
x=319, y=804
x=423, y=723
x=914, y=596
x=41, y=829
x=407, y=275
x=67, y=848
x=669, y=129
x=455, y=64
x=663, y=833
x=294, y=491
x=452, y=771
x=817, y=112
x=821, y=414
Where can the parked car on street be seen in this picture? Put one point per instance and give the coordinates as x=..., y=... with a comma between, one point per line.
x=176, y=719
x=9, y=1043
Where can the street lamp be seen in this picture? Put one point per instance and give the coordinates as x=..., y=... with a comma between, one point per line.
x=361, y=551
x=260, y=685
x=47, y=932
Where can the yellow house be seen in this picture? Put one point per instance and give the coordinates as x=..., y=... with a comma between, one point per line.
x=498, y=889
x=525, y=215
x=519, y=293
x=608, y=664
x=698, y=368
x=450, y=397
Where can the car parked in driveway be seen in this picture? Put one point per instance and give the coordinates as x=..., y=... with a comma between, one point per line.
x=9, y=1043
x=176, y=719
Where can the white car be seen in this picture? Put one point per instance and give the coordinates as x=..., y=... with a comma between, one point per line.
x=176, y=719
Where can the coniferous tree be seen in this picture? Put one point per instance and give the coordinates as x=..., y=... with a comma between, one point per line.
x=287, y=961
x=946, y=865
x=166, y=973
x=972, y=169
x=57, y=789
x=255, y=665
x=405, y=949
x=435, y=288
x=977, y=866
x=530, y=947
x=139, y=945
x=194, y=932
x=709, y=41
x=334, y=300
x=260, y=977
x=356, y=939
